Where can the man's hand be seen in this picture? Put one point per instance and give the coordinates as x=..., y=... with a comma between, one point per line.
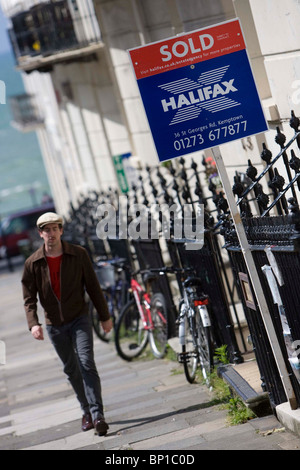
x=107, y=325
x=37, y=332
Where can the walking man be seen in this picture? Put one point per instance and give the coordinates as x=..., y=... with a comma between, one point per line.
x=58, y=273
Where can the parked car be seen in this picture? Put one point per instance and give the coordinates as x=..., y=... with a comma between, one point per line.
x=19, y=227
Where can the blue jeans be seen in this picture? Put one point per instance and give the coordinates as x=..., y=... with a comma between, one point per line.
x=73, y=343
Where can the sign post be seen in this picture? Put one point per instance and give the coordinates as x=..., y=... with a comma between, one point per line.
x=120, y=172
x=199, y=92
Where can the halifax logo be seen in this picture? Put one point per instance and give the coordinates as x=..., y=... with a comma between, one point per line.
x=190, y=97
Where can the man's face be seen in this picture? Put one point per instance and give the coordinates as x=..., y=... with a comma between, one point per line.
x=51, y=234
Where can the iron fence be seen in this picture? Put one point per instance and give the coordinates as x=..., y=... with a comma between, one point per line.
x=270, y=213
x=268, y=203
x=176, y=185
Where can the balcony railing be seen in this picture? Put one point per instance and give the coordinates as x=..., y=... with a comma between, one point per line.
x=26, y=116
x=53, y=27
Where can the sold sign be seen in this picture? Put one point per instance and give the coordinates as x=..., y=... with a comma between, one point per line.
x=198, y=90
x=197, y=46
x=183, y=48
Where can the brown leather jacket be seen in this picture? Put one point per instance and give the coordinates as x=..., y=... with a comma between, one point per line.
x=77, y=274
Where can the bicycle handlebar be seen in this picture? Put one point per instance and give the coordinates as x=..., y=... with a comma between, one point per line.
x=168, y=269
x=122, y=263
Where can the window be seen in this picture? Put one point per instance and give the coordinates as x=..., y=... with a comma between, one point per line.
x=17, y=226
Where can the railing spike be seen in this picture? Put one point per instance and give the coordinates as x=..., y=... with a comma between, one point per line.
x=294, y=121
x=266, y=154
x=280, y=137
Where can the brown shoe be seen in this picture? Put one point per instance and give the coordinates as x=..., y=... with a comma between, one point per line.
x=100, y=426
x=87, y=422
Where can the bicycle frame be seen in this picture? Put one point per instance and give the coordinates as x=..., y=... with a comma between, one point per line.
x=189, y=313
x=138, y=293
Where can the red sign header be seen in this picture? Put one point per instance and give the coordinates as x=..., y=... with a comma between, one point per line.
x=186, y=49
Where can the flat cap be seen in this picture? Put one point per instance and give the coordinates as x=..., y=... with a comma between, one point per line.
x=49, y=218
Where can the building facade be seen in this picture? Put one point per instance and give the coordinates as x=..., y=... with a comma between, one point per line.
x=75, y=64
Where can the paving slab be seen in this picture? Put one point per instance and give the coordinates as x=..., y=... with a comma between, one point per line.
x=148, y=403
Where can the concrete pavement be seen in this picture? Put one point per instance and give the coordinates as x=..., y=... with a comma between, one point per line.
x=148, y=404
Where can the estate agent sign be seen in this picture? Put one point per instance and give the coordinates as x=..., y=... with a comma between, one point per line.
x=198, y=90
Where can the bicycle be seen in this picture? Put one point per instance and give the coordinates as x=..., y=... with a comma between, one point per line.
x=195, y=330
x=143, y=320
x=112, y=279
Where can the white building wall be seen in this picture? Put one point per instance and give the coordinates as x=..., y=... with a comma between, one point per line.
x=11, y=7
x=277, y=26
x=272, y=37
x=93, y=122
x=83, y=131
x=106, y=117
x=85, y=30
x=50, y=139
x=121, y=28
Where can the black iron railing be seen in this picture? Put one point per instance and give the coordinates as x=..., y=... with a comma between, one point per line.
x=176, y=185
x=269, y=207
x=279, y=180
x=268, y=202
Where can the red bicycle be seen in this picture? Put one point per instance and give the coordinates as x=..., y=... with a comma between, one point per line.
x=144, y=319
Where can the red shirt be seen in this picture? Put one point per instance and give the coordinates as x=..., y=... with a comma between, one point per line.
x=54, y=268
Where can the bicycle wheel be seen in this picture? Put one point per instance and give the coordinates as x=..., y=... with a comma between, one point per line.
x=113, y=308
x=130, y=336
x=106, y=337
x=187, y=335
x=158, y=337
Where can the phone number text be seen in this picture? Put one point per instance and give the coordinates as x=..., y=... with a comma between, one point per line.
x=213, y=135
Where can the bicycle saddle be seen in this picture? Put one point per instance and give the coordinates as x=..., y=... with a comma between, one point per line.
x=149, y=277
x=192, y=282
x=118, y=262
